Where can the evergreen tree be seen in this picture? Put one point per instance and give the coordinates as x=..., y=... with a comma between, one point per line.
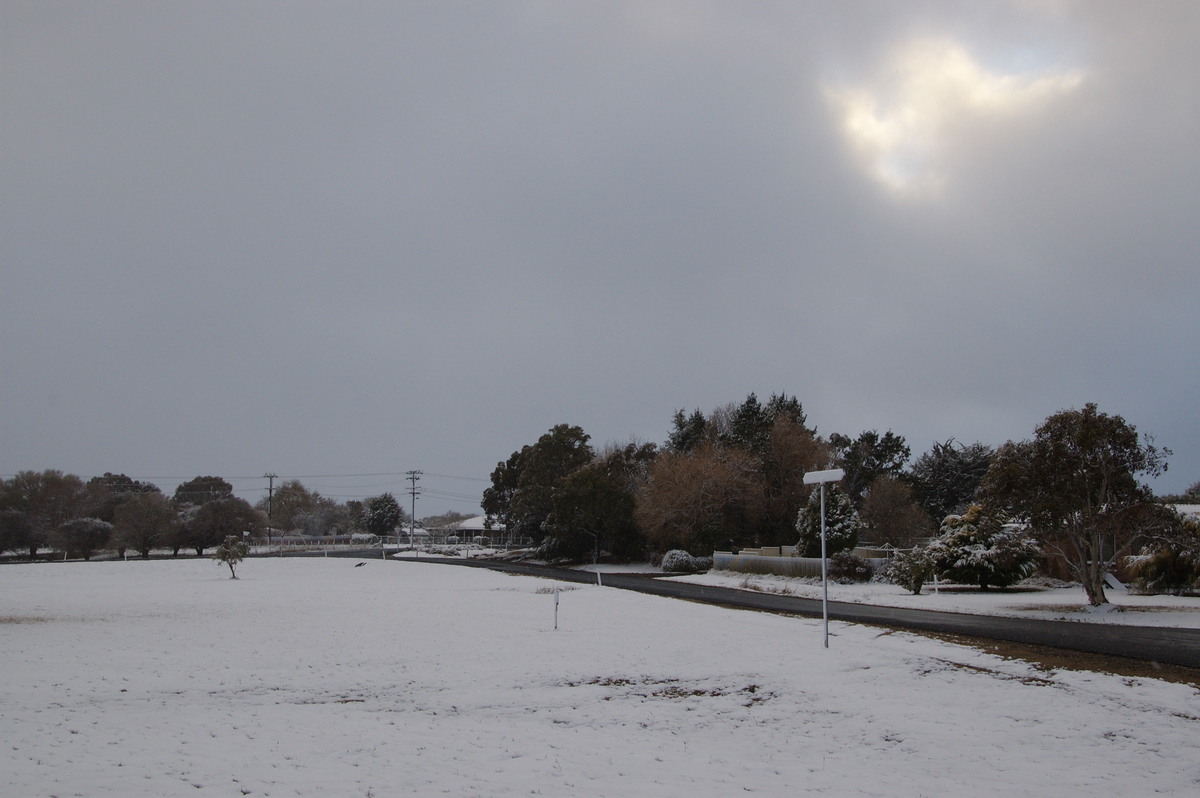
x=868, y=457
x=976, y=549
x=592, y=511
x=383, y=515
x=749, y=426
x=498, y=497
x=521, y=495
x=945, y=479
x=687, y=432
x=842, y=524
x=750, y=458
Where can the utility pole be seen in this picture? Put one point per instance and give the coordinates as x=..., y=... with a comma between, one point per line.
x=270, y=504
x=413, y=477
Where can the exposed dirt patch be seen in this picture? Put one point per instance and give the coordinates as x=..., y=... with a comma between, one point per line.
x=945, y=664
x=15, y=619
x=675, y=689
x=1051, y=659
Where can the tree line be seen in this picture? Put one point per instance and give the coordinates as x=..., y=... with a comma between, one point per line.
x=729, y=478
x=58, y=511
x=733, y=478
x=725, y=479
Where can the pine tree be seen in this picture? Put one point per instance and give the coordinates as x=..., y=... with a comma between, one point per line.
x=946, y=478
x=383, y=514
x=842, y=524
x=976, y=549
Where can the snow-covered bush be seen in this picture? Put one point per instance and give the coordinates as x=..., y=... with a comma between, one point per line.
x=976, y=549
x=1163, y=571
x=1170, y=560
x=846, y=568
x=678, y=561
x=910, y=570
x=842, y=524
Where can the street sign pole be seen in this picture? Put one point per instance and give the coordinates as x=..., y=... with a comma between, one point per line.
x=824, y=571
x=815, y=478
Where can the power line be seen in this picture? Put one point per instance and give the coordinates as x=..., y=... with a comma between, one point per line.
x=451, y=476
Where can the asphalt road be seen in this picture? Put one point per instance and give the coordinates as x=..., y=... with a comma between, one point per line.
x=1152, y=644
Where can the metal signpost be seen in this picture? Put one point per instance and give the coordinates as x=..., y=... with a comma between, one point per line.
x=815, y=478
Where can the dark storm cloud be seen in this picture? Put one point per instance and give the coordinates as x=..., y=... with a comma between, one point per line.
x=327, y=239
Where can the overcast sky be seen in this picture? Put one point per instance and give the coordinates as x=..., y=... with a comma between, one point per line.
x=336, y=239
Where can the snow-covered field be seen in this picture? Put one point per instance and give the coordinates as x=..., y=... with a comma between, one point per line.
x=1044, y=603
x=317, y=677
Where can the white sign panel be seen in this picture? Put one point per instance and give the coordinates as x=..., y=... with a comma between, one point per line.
x=832, y=475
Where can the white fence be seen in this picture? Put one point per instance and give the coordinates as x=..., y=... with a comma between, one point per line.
x=783, y=566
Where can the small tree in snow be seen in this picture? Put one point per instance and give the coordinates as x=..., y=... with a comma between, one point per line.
x=231, y=552
x=842, y=524
x=911, y=569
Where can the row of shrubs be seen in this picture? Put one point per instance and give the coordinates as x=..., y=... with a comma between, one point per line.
x=977, y=549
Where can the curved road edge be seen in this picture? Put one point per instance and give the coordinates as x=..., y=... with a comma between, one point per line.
x=1152, y=644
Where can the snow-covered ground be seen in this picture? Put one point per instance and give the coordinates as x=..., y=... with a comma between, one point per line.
x=320, y=678
x=1025, y=601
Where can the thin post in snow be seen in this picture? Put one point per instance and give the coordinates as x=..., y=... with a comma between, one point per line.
x=820, y=478
x=824, y=571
